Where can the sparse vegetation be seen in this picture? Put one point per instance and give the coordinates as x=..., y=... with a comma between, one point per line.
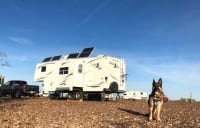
x=187, y=100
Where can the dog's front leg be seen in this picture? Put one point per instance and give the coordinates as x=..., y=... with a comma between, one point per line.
x=151, y=104
x=159, y=109
x=150, y=113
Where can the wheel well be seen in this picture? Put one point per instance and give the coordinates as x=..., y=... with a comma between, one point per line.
x=75, y=89
x=113, y=87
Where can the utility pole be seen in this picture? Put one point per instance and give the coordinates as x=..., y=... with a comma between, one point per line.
x=190, y=99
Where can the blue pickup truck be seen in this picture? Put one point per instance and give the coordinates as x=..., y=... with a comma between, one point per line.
x=18, y=88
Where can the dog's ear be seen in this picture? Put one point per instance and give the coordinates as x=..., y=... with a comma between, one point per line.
x=160, y=82
x=153, y=84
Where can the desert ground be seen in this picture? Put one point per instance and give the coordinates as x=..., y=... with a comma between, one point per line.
x=45, y=113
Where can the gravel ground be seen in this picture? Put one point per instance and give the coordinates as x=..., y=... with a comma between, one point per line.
x=45, y=113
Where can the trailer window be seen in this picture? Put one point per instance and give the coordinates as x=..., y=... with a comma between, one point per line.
x=63, y=70
x=43, y=69
x=80, y=68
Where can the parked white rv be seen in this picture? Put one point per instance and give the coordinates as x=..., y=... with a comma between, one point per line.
x=77, y=74
x=135, y=95
x=1, y=80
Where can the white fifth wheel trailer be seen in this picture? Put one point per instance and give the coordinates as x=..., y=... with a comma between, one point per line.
x=135, y=95
x=79, y=75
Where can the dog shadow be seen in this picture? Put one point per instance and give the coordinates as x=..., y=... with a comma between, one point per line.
x=134, y=112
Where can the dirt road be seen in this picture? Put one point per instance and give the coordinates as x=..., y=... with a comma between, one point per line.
x=45, y=113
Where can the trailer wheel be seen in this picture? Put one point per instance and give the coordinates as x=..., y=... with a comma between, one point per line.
x=78, y=95
x=70, y=96
x=18, y=94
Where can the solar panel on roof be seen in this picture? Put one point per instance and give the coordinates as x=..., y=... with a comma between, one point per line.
x=47, y=59
x=56, y=57
x=86, y=52
x=88, y=49
x=73, y=55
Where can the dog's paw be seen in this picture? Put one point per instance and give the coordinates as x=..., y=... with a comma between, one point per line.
x=158, y=119
x=150, y=119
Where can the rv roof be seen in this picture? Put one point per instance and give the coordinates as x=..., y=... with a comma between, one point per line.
x=85, y=53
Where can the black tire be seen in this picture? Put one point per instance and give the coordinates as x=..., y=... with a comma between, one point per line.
x=18, y=94
x=70, y=96
x=78, y=95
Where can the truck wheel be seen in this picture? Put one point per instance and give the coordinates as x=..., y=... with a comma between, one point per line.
x=18, y=94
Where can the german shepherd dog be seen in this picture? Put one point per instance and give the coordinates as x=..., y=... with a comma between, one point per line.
x=155, y=100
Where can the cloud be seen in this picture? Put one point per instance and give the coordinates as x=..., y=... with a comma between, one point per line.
x=21, y=41
x=178, y=72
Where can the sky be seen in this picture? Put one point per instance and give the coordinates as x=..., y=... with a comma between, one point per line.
x=157, y=38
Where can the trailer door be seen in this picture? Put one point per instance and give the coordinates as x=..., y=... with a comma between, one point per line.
x=78, y=75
